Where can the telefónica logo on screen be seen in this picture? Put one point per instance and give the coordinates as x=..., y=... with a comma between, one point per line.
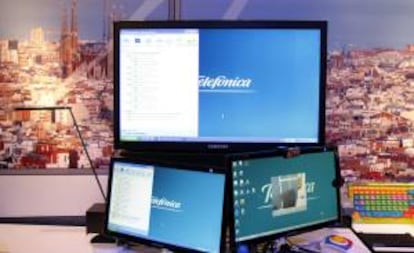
x=224, y=82
x=164, y=203
x=267, y=191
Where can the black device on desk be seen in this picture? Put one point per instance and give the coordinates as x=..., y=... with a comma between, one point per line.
x=273, y=194
x=389, y=242
x=166, y=205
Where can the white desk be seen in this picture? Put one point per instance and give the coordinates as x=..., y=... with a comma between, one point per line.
x=313, y=240
x=38, y=238
x=19, y=238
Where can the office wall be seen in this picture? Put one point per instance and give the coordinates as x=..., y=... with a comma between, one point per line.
x=369, y=90
x=369, y=110
x=46, y=195
x=58, y=53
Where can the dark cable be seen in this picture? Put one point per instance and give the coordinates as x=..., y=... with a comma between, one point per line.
x=53, y=108
x=301, y=248
x=87, y=154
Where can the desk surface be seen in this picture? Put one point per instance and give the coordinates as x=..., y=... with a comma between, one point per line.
x=20, y=238
x=314, y=240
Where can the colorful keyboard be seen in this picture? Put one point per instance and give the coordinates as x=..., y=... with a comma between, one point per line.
x=382, y=202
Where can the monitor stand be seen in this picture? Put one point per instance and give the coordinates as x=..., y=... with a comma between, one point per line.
x=102, y=239
x=95, y=222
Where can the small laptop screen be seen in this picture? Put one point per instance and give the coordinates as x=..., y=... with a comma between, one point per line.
x=273, y=194
x=167, y=206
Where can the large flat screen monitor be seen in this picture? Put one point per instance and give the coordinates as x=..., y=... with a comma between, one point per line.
x=166, y=205
x=275, y=195
x=218, y=86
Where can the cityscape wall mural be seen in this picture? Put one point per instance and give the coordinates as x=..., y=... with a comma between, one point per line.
x=56, y=57
x=64, y=59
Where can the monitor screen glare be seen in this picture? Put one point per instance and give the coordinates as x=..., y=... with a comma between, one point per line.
x=167, y=206
x=219, y=84
x=276, y=195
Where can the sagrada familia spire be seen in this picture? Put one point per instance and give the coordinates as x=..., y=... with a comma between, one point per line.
x=69, y=40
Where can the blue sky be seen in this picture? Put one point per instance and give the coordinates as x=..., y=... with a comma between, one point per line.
x=17, y=17
x=367, y=23
x=364, y=23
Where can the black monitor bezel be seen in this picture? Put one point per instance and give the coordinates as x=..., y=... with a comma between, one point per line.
x=287, y=153
x=217, y=146
x=132, y=240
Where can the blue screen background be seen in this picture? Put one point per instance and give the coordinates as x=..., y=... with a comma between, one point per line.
x=284, y=97
x=322, y=202
x=198, y=221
